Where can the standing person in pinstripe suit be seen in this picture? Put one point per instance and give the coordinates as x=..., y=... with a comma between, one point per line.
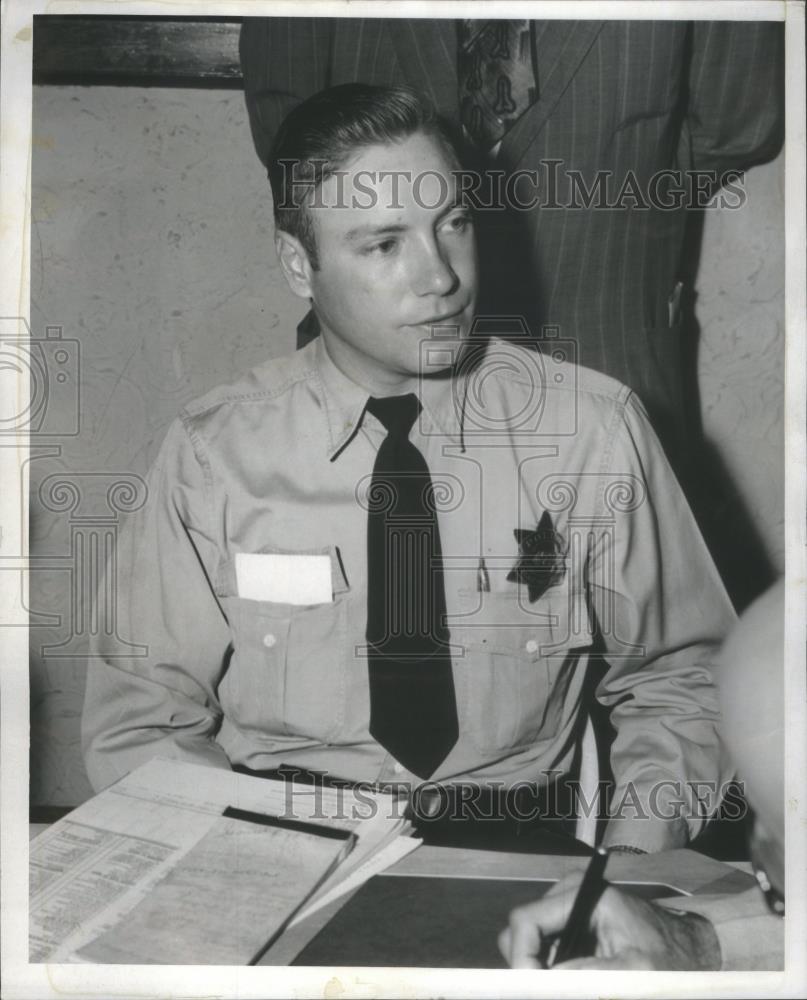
x=631, y=98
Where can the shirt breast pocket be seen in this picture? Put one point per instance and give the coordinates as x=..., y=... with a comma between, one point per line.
x=514, y=666
x=287, y=673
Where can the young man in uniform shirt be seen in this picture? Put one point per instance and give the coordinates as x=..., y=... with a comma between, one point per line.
x=395, y=555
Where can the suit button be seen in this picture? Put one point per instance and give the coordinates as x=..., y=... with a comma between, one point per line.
x=531, y=646
x=269, y=640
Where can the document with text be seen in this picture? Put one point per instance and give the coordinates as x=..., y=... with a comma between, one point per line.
x=183, y=864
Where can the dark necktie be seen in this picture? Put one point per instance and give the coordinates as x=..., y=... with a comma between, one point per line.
x=413, y=709
x=497, y=77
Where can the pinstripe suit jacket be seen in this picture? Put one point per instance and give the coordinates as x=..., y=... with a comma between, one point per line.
x=617, y=96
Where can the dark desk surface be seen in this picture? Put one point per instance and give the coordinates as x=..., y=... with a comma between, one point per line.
x=683, y=870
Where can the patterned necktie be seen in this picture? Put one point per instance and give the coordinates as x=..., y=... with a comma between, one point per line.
x=413, y=709
x=497, y=77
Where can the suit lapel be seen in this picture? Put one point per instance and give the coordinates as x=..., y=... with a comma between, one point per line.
x=561, y=47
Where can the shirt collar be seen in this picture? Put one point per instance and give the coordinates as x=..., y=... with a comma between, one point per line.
x=344, y=401
x=443, y=399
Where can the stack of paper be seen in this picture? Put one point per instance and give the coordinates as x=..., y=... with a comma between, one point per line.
x=183, y=864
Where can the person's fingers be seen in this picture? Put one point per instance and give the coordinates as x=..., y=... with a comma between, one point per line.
x=518, y=961
x=530, y=924
x=504, y=944
x=552, y=910
x=629, y=959
x=581, y=963
x=628, y=930
x=523, y=939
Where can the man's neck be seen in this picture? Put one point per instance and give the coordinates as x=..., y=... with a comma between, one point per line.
x=375, y=381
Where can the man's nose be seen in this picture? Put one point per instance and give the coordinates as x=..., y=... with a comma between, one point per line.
x=434, y=274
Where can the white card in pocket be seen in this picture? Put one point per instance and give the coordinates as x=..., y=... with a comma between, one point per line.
x=286, y=579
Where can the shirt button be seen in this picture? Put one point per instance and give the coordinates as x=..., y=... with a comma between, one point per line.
x=532, y=646
x=269, y=640
x=398, y=768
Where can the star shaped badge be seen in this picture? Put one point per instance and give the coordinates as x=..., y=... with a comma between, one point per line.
x=541, y=558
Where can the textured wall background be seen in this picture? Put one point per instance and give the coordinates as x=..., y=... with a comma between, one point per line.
x=151, y=246
x=740, y=312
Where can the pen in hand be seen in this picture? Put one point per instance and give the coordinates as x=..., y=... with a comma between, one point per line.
x=574, y=941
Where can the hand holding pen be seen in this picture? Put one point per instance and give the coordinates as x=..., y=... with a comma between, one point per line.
x=577, y=940
x=585, y=923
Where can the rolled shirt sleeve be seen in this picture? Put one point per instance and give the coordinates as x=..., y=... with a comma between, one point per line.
x=662, y=612
x=750, y=937
x=162, y=702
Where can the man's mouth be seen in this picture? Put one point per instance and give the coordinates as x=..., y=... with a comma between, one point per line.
x=443, y=320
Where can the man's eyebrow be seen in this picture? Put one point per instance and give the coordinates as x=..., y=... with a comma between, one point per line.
x=394, y=229
x=362, y=232
x=459, y=201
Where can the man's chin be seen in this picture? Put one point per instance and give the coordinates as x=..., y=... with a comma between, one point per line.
x=439, y=347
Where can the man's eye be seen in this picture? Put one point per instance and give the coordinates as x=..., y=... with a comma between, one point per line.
x=383, y=248
x=459, y=223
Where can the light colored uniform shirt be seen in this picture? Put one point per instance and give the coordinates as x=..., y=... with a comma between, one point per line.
x=280, y=462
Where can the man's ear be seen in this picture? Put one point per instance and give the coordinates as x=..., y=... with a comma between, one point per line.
x=294, y=263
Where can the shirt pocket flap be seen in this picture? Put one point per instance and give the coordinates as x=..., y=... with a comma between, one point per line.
x=506, y=622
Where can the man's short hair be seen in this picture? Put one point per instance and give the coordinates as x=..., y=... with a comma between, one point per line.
x=321, y=134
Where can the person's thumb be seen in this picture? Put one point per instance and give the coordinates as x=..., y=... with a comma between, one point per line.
x=520, y=943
